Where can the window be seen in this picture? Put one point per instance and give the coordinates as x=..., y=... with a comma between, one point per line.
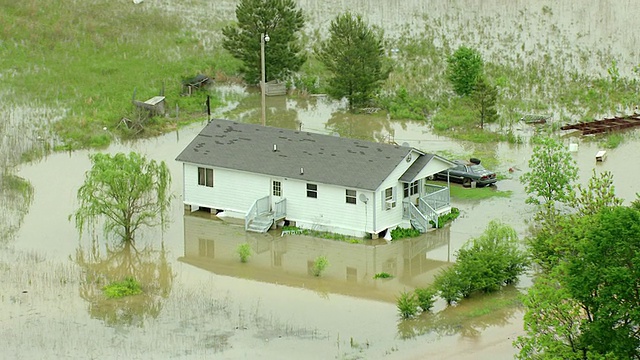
x=277, y=188
x=351, y=196
x=389, y=199
x=410, y=189
x=312, y=190
x=205, y=177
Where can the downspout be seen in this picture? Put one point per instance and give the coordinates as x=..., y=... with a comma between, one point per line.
x=374, y=212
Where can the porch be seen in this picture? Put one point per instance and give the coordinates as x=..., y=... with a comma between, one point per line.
x=433, y=203
x=262, y=215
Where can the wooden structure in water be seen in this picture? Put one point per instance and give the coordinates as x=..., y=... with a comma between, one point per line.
x=605, y=125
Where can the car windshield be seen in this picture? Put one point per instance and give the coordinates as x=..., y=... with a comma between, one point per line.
x=477, y=168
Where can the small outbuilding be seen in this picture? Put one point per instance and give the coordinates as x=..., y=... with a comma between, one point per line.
x=195, y=83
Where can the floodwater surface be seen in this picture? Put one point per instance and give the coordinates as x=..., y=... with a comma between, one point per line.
x=200, y=301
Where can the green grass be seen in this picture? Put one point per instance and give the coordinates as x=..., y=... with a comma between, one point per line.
x=70, y=54
x=462, y=193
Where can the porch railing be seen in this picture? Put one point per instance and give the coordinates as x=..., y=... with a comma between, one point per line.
x=260, y=206
x=437, y=197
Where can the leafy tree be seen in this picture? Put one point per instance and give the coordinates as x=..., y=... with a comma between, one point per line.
x=127, y=192
x=592, y=296
x=355, y=56
x=484, y=97
x=282, y=21
x=465, y=68
x=552, y=322
x=551, y=175
x=599, y=194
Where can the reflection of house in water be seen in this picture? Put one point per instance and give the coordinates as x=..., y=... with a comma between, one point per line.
x=211, y=245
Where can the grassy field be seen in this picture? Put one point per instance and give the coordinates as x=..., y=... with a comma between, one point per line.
x=88, y=57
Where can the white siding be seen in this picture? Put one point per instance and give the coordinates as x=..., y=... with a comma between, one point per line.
x=390, y=218
x=232, y=190
x=329, y=211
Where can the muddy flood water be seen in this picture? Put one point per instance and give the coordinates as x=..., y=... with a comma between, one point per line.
x=200, y=302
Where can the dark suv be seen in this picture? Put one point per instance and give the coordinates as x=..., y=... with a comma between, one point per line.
x=466, y=172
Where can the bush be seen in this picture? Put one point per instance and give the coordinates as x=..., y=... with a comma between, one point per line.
x=117, y=289
x=244, y=251
x=382, y=275
x=446, y=218
x=319, y=265
x=483, y=264
x=425, y=298
x=401, y=233
x=407, y=305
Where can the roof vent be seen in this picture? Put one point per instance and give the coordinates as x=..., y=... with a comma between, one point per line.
x=301, y=171
x=275, y=147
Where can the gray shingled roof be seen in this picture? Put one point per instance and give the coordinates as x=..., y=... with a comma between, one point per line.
x=324, y=159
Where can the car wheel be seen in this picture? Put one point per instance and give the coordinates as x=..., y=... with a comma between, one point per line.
x=466, y=182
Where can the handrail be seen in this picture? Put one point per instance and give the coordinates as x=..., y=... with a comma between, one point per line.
x=280, y=208
x=418, y=216
x=257, y=208
x=428, y=211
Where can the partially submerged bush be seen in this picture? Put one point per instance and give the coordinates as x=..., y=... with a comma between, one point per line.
x=484, y=264
x=319, y=265
x=401, y=233
x=407, y=305
x=244, y=251
x=118, y=289
x=425, y=298
x=382, y=275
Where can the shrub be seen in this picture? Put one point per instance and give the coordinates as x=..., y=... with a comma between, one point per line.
x=483, y=264
x=244, y=251
x=117, y=289
x=382, y=275
x=446, y=218
x=407, y=305
x=401, y=233
x=425, y=298
x=319, y=265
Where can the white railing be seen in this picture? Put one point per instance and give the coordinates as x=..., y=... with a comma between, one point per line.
x=415, y=214
x=428, y=212
x=260, y=206
x=437, y=196
x=280, y=209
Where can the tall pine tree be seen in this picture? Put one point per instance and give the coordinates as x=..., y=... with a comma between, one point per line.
x=282, y=21
x=354, y=54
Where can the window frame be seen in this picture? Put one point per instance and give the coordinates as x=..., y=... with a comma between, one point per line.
x=312, y=190
x=205, y=176
x=276, y=188
x=351, y=198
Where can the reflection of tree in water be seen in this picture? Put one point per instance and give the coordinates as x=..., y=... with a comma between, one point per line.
x=115, y=263
x=359, y=126
x=467, y=320
x=16, y=195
